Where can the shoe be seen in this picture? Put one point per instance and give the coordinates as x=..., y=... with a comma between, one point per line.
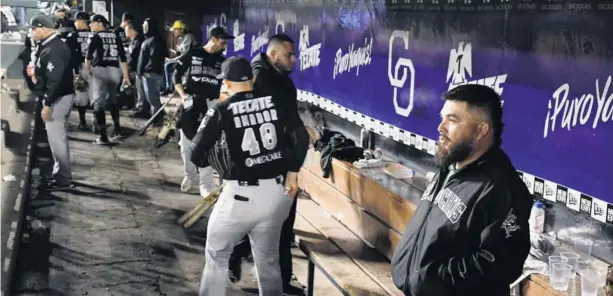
x=102, y=141
x=234, y=270
x=291, y=290
x=55, y=186
x=117, y=136
x=186, y=184
x=83, y=126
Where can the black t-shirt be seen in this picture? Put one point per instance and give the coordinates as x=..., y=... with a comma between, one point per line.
x=254, y=132
x=104, y=50
x=197, y=70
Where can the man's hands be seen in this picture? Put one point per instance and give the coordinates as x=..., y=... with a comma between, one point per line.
x=30, y=72
x=291, y=184
x=46, y=113
x=126, y=80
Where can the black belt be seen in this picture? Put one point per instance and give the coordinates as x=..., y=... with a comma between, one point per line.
x=256, y=182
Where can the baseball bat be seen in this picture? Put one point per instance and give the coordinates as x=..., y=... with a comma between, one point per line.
x=201, y=203
x=143, y=130
x=193, y=219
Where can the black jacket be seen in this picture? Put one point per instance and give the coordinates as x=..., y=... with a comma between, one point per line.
x=153, y=51
x=53, y=70
x=268, y=81
x=469, y=235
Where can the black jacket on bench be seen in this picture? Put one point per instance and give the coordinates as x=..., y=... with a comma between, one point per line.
x=469, y=235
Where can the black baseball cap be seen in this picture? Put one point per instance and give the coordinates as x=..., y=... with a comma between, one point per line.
x=82, y=15
x=42, y=21
x=220, y=32
x=99, y=19
x=236, y=69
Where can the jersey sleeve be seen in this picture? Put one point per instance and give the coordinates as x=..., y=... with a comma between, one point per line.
x=93, y=43
x=207, y=135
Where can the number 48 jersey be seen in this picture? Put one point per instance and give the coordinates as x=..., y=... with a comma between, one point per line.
x=252, y=130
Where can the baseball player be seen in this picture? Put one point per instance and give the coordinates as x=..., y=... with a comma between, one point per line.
x=196, y=82
x=103, y=59
x=257, y=146
x=53, y=76
x=82, y=92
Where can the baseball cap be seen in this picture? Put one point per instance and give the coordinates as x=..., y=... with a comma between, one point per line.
x=82, y=15
x=178, y=25
x=220, y=32
x=98, y=18
x=236, y=69
x=42, y=21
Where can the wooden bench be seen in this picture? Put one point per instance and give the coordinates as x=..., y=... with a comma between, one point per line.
x=350, y=223
x=357, y=222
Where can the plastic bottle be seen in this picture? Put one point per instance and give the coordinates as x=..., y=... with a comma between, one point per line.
x=537, y=218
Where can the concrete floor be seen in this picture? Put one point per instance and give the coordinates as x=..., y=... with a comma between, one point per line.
x=117, y=233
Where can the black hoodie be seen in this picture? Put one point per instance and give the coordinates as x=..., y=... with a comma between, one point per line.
x=469, y=234
x=268, y=81
x=153, y=51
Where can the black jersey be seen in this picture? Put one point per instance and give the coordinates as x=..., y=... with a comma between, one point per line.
x=82, y=38
x=104, y=50
x=197, y=70
x=123, y=39
x=254, y=134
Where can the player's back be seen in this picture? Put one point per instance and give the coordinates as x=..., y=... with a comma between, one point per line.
x=254, y=132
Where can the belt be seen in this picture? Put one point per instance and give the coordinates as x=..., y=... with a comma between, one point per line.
x=256, y=182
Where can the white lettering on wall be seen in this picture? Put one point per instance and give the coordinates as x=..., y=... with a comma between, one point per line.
x=354, y=58
x=579, y=109
x=309, y=55
x=259, y=40
x=460, y=68
x=408, y=73
x=239, y=38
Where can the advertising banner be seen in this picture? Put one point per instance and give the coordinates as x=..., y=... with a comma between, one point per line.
x=385, y=66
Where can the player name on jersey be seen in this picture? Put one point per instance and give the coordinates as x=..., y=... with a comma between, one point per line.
x=263, y=108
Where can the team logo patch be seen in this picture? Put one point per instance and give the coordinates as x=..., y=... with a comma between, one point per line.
x=50, y=67
x=510, y=224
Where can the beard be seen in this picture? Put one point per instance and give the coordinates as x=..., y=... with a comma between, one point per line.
x=453, y=153
x=283, y=68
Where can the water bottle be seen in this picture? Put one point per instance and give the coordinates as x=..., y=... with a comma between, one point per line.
x=537, y=218
x=364, y=138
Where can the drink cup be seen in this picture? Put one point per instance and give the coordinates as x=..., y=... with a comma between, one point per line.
x=560, y=276
x=591, y=280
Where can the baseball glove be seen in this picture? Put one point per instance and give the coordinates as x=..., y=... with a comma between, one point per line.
x=127, y=90
x=80, y=84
